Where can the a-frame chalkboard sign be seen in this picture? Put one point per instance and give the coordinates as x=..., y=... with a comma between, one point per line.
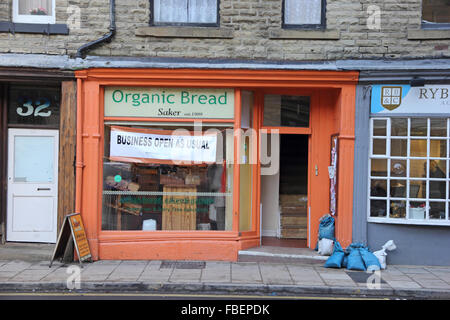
x=72, y=230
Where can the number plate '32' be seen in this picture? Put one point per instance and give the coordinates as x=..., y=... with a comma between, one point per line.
x=27, y=108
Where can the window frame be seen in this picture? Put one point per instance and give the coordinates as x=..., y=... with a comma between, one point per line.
x=182, y=24
x=35, y=19
x=321, y=26
x=427, y=199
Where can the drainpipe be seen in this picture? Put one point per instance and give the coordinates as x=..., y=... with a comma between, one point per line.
x=81, y=52
x=79, y=150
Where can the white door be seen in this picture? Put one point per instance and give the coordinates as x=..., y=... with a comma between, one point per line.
x=32, y=185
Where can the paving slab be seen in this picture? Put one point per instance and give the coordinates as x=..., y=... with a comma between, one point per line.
x=154, y=274
x=127, y=271
x=275, y=274
x=216, y=272
x=185, y=275
x=245, y=272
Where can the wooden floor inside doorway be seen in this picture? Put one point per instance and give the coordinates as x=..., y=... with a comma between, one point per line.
x=290, y=243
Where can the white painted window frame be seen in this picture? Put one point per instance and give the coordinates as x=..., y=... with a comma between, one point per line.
x=407, y=220
x=29, y=18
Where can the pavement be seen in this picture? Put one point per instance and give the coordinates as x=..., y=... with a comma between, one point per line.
x=286, y=277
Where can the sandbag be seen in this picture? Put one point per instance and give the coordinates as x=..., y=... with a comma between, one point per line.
x=326, y=247
x=355, y=261
x=326, y=227
x=335, y=260
x=370, y=260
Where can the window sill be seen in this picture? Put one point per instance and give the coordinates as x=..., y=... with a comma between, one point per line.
x=429, y=34
x=37, y=28
x=440, y=223
x=185, y=32
x=281, y=34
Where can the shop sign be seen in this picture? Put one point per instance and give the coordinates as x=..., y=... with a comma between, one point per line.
x=169, y=103
x=404, y=99
x=161, y=146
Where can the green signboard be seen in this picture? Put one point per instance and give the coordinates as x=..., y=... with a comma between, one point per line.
x=189, y=103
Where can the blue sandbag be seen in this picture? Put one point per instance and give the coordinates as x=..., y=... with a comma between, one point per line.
x=335, y=260
x=326, y=227
x=370, y=260
x=355, y=261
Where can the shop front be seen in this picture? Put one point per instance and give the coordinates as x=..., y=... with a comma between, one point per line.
x=196, y=164
x=407, y=175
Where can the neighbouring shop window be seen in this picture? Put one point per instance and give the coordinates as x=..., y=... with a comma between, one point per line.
x=185, y=12
x=408, y=169
x=304, y=14
x=34, y=11
x=286, y=111
x=435, y=12
x=149, y=185
x=34, y=105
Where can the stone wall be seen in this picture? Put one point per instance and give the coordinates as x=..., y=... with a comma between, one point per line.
x=249, y=29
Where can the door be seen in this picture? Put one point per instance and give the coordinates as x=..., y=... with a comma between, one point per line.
x=32, y=185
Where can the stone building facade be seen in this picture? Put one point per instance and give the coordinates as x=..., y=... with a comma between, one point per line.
x=249, y=29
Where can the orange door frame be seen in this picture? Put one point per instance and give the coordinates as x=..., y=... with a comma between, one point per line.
x=206, y=245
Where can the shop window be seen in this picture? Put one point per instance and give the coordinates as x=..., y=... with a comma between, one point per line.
x=34, y=11
x=435, y=13
x=162, y=191
x=185, y=12
x=304, y=14
x=286, y=111
x=409, y=179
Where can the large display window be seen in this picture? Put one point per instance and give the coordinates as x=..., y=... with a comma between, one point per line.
x=161, y=178
x=409, y=179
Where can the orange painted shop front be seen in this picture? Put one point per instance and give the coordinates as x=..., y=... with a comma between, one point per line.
x=206, y=206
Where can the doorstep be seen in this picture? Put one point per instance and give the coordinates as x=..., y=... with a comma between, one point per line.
x=281, y=254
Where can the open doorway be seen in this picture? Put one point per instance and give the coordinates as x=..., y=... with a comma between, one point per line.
x=285, y=194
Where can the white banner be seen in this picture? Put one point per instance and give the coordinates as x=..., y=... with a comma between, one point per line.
x=161, y=146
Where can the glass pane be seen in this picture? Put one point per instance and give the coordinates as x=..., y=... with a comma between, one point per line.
x=399, y=127
x=399, y=147
x=398, y=188
x=379, y=146
x=378, y=208
x=417, y=168
x=379, y=127
x=302, y=12
x=418, y=189
x=437, y=210
x=286, y=111
x=168, y=195
x=437, y=169
x=170, y=11
x=437, y=189
x=33, y=159
x=398, y=168
x=245, y=189
x=34, y=105
x=419, y=127
x=438, y=127
x=378, y=188
x=35, y=7
x=379, y=167
x=437, y=11
x=203, y=11
x=438, y=148
x=418, y=148
x=417, y=210
x=398, y=209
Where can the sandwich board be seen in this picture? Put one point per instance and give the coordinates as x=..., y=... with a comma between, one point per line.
x=72, y=230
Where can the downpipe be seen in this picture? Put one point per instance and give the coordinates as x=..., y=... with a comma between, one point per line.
x=81, y=52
